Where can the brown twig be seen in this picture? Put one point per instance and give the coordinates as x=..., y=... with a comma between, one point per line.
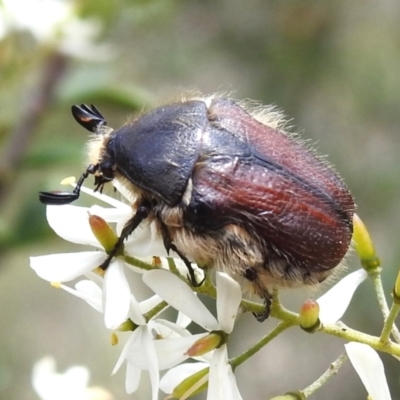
x=37, y=102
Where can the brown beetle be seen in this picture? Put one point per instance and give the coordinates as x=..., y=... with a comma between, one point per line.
x=228, y=188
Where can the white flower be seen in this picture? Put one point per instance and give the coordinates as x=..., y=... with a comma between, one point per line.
x=53, y=22
x=72, y=384
x=72, y=223
x=176, y=293
x=370, y=369
x=333, y=304
x=148, y=348
x=139, y=351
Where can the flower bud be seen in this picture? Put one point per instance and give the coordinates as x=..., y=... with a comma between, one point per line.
x=364, y=246
x=309, y=316
x=192, y=385
x=103, y=232
x=396, y=290
x=207, y=343
x=127, y=326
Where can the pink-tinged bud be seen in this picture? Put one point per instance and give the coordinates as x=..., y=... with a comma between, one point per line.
x=207, y=343
x=364, y=246
x=396, y=290
x=192, y=385
x=309, y=316
x=103, y=232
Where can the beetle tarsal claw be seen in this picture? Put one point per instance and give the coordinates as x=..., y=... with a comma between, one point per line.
x=263, y=315
x=192, y=277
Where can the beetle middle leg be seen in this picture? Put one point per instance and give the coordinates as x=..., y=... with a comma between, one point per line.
x=142, y=213
x=169, y=245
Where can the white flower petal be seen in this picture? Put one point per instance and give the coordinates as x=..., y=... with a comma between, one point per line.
x=132, y=378
x=171, y=352
x=167, y=329
x=135, y=313
x=221, y=382
x=140, y=353
x=88, y=291
x=183, y=320
x=150, y=303
x=229, y=295
x=66, y=267
x=369, y=368
x=235, y=394
x=176, y=375
x=103, y=197
x=132, y=343
x=117, y=295
x=144, y=241
x=147, y=343
x=179, y=295
x=335, y=301
x=112, y=215
x=72, y=224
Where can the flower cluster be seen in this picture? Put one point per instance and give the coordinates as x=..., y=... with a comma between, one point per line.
x=158, y=346
x=155, y=344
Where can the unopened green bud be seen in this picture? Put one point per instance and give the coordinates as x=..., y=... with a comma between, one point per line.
x=396, y=290
x=364, y=246
x=309, y=316
x=192, y=385
x=103, y=232
x=127, y=326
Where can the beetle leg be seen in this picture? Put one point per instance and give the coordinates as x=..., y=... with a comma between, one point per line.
x=251, y=274
x=263, y=315
x=142, y=212
x=169, y=245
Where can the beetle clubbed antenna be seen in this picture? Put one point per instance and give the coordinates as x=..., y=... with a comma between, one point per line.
x=88, y=116
x=58, y=197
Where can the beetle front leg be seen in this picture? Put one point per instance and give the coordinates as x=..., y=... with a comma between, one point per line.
x=142, y=213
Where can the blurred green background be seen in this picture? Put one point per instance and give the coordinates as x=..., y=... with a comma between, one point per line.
x=333, y=67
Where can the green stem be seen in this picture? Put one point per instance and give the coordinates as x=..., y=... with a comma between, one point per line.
x=375, y=276
x=341, y=330
x=156, y=310
x=172, y=266
x=329, y=373
x=389, y=323
x=241, y=358
x=139, y=263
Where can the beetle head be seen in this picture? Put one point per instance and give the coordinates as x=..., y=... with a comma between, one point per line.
x=92, y=120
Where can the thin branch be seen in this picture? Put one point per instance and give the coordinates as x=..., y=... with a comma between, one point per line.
x=30, y=115
x=328, y=374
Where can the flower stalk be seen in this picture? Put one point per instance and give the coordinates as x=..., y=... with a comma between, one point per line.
x=328, y=374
